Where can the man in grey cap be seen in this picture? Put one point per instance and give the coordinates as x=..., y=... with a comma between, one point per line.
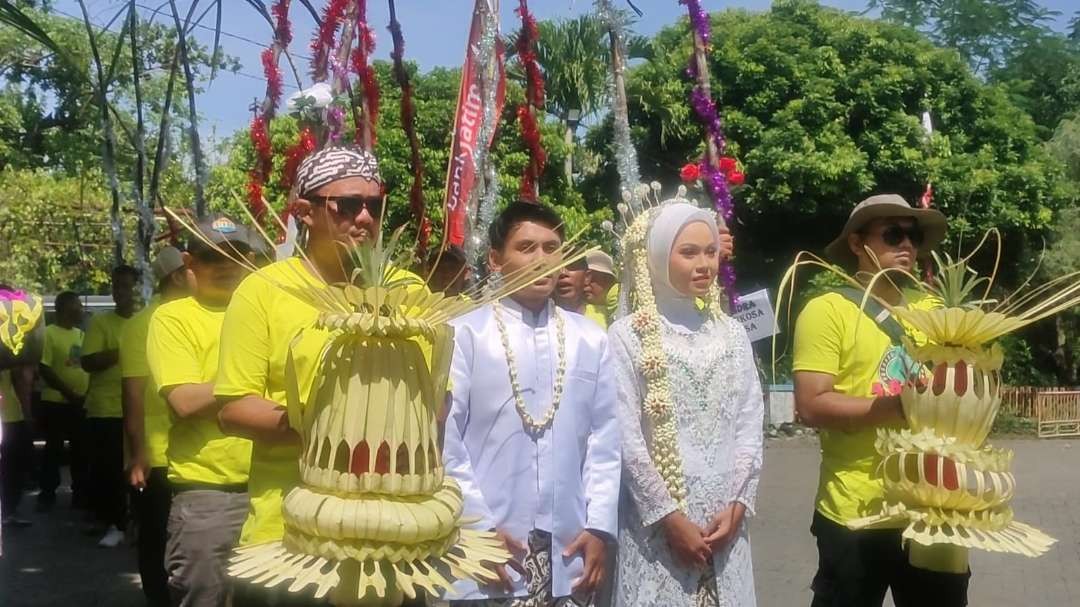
x=146, y=427
x=208, y=471
x=850, y=365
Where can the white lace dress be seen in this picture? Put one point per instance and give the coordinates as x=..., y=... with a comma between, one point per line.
x=718, y=405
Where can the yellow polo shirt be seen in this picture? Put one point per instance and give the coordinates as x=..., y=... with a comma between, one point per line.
x=133, y=363
x=103, y=395
x=833, y=336
x=182, y=348
x=61, y=353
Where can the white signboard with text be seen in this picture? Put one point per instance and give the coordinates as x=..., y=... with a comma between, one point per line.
x=755, y=312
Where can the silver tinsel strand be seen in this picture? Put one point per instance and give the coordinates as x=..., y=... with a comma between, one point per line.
x=486, y=192
x=626, y=162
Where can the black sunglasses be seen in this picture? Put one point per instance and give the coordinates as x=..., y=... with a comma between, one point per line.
x=351, y=206
x=895, y=234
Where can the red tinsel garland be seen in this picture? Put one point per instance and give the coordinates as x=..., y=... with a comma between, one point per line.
x=408, y=123
x=260, y=140
x=260, y=125
x=273, y=77
x=365, y=74
x=323, y=42
x=534, y=98
x=530, y=134
x=256, y=203
x=304, y=145
x=282, y=29
x=526, y=50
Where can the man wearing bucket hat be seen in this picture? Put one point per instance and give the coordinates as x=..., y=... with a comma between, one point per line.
x=849, y=366
x=146, y=427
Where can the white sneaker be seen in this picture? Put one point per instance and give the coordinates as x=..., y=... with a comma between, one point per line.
x=113, y=538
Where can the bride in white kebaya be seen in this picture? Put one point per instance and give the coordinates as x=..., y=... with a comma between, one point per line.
x=690, y=413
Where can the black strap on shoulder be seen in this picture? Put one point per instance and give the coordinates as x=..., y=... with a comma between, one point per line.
x=876, y=312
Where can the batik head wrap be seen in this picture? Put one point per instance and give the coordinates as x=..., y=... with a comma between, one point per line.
x=334, y=164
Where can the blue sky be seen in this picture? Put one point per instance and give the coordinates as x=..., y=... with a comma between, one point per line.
x=435, y=33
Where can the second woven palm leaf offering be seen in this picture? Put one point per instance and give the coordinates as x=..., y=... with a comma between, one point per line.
x=944, y=486
x=375, y=519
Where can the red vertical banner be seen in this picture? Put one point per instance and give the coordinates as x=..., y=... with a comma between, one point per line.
x=461, y=173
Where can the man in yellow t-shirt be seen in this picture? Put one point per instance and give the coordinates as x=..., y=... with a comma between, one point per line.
x=104, y=425
x=340, y=200
x=146, y=427
x=208, y=470
x=62, y=401
x=16, y=444
x=849, y=366
x=599, y=284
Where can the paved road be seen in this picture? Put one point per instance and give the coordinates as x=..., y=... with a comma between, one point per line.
x=1049, y=498
x=54, y=564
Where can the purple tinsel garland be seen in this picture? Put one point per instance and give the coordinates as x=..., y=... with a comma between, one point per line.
x=706, y=111
x=699, y=19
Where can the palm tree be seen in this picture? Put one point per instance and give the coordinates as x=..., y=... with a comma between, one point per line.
x=575, y=56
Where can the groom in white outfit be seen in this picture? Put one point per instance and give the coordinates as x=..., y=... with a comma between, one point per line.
x=532, y=435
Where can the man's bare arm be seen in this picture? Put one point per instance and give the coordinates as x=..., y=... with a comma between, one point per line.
x=256, y=418
x=820, y=406
x=187, y=400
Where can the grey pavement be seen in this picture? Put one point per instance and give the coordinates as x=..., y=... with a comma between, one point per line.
x=1048, y=488
x=54, y=564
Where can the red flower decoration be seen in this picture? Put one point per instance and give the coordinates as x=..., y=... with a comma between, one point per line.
x=690, y=172
x=736, y=178
x=728, y=164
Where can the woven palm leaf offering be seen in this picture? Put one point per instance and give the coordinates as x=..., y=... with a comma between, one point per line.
x=21, y=326
x=947, y=488
x=375, y=518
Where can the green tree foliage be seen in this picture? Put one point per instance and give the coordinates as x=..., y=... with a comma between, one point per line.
x=435, y=99
x=47, y=112
x=986, y=32
x=1009, y=42
x=823, y=109
x=54, y=230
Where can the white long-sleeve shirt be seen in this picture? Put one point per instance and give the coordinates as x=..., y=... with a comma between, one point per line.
x=564, y=481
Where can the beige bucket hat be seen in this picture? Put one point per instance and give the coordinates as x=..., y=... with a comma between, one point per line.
x=887, y=205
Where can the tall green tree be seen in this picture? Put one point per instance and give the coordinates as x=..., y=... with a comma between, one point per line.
x=575, y=56
x=985, y=32
x=823, y=109
x=1011, y=42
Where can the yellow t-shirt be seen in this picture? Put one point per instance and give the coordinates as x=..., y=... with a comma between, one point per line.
x=597, y=315
x=61, y=353
x=10, y=408
x=612, y=301
x=833, y=336
x=182, y=348
x=103, y=395
x=133, y=363
x=262, y=326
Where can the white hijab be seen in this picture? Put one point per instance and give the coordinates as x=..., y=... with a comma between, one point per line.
x=677, y=307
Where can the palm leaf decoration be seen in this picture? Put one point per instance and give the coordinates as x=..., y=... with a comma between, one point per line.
x=12, y=16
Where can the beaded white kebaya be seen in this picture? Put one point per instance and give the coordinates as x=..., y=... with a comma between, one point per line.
x=638, y=210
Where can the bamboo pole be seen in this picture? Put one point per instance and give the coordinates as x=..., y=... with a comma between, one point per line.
x=108, y=159
x=193, y=118
x=146, y=218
